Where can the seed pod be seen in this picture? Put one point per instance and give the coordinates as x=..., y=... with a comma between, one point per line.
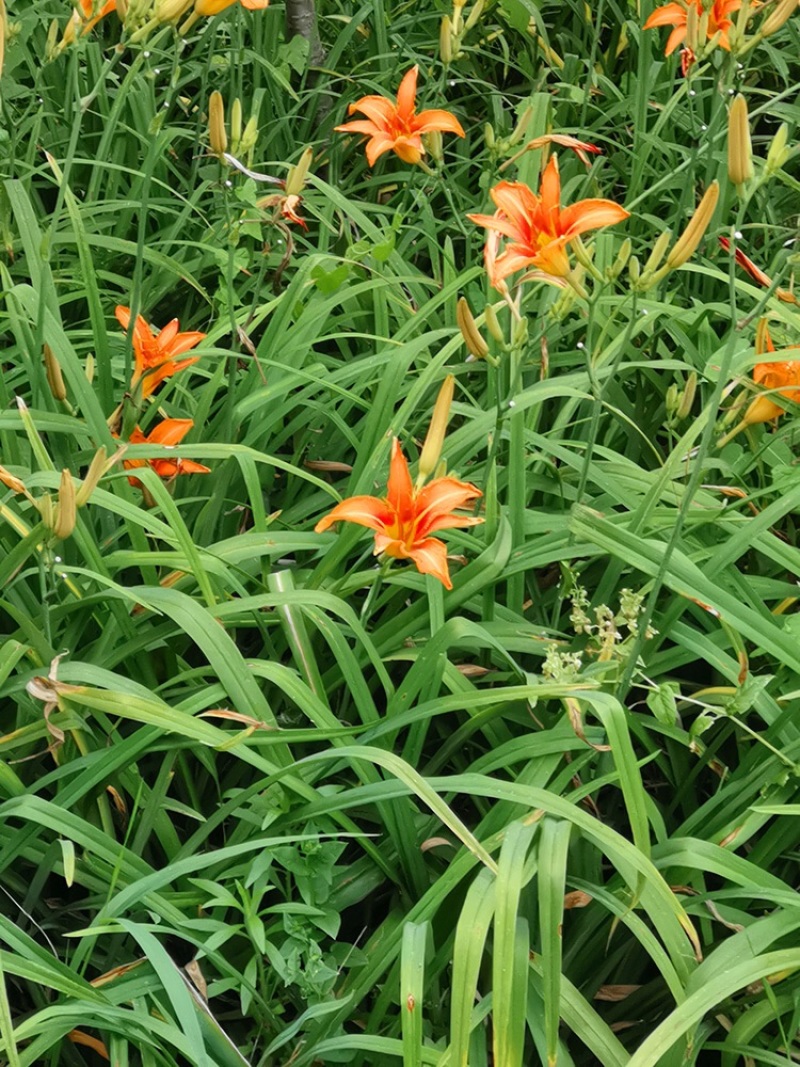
x=217, y=137
x=740, y=149
x=686, y=245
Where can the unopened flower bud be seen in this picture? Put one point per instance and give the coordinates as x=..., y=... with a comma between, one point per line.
x=66, y=511
x=686, y=245
x=432, y=449
x=169, y=10
x=249, y=136
x=434, y=145
x=89, y=368
x=740, y=149
x=778, y=17
x=236, y=125
x=488, y=135
x=217, y=137
x=687, y=397
x=55, y=378
x=476, y=345
x=658, y=252
x=613, y=272
x=99, y=467
x=634, y=270
x=493, y=324
x=51, y=48
x=296, y=178
x=475, y=13
x=446, y=40
x=692, y=38
x=122, y=10
x=778, y=153
x=11, y=482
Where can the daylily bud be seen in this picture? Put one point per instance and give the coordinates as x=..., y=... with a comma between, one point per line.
x=432, y=449
x=692, y=35
x=434, y=145
x=99, y=467
x=249, y=136
x=584, y=255
x=476, y=346
x=11, y=482
x=55, y=378
x=446, y=40
x=671, y=401
x=778, y=153
x=686, y=245
x=493, y=324
x=51, y=48
x=169, y=10
x=89, y=368
x=702, y=30
x=296, y=178
x=634, y=270
x=659, y=249
x=66, y=512
x=488, y=135
x=122, y=10
x=687, y=398
x=740, y=150
x=44, y=506
x=236, y=124
x=217, y=137
x=521, y=128
x=475, y=13
x=519, y=335
x=613, y=272
x=779, y=15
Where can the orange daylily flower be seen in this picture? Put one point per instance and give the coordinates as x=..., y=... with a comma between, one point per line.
x=406, y=517
x=168, y=433
x=156, y=354
x=756, y=273
x=538, y=228
x=394, y=127
x=90, y=19
x=783, y=377
x=675, y=15
x=213, y=7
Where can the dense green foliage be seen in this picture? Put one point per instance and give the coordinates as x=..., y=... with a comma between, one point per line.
x=548, y=816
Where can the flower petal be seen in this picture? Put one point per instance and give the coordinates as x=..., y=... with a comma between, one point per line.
x=430, y=557
x=436, y=119
x=367, y=511
x=365, y=126
x=377, y=145
x=590, y=215
x=170, y=432
x=377, y=108
x=407, y=96
x=517, y=201
x=439, y=498
x=182, y=343
x=550, y=191
x=668, y=15
x=409, y=148
x=400, y=489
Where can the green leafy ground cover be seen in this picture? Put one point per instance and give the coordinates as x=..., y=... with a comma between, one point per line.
x=546, y=816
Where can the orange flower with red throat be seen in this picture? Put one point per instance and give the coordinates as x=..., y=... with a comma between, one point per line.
x=168, y=433
x=213, y=7
x=405, y=519
x=157, y=354
x=538, y=229
x=676, y=15
x=395, y=126
x=782, y=377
